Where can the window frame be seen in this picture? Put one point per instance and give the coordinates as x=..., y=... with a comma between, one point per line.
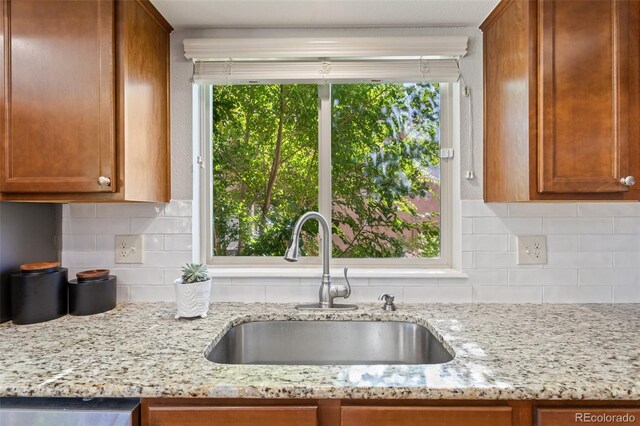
x=203, y=126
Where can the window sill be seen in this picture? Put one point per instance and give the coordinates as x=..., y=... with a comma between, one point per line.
x=277, y=272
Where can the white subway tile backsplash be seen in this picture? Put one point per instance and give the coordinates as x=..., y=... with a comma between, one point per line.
x=129, y=210
x=291, y=294
x=579, y=260
x=467, y=260
x=485, y=277
x=614, y=277
x=163, y=259
x=440, y=294
x=608, y=209
x=178, y=209
x=614, y=242
x=131, y=276
x=626, y=225
x=89, y=259
x=577, y=294
x=467, y=225
x=593, y=256
x=543, y=210
x=79, y=210
x=626, y=294
x=517, y=226
x=562, y=243
x=478, y=208
x=82, y=225
x=244, y=294
x=178, y=242
x=626, y=259
x=123, y=293
x=491, y=260
x=161, y=225
x=485, y=242
x=499, y=294
x=578, y=226
x=78, y=242
x=542, y=277
x=152, y=293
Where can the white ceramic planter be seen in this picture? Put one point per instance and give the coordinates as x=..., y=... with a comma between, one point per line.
x=192, y=300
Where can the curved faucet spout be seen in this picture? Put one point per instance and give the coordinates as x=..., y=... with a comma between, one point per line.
x=291, y=254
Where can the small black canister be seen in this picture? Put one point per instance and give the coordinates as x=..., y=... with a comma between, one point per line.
x=38, y=293
x=92, y=292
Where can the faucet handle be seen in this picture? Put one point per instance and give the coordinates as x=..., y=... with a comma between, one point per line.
x=346, y=269
x=388, y=301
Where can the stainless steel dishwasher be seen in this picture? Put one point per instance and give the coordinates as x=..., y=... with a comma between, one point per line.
x=69, y=411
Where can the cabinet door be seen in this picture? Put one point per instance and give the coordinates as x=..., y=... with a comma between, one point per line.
x=583, y=138
x=236, y=416
x=58, y=105
x=432, y=416
x=587, y=415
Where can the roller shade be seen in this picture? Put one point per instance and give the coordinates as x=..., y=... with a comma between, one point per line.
x=325, y=60
x=307, y=72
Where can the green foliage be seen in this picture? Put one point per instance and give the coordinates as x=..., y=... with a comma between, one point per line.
x=385, y=169
x=194, y=272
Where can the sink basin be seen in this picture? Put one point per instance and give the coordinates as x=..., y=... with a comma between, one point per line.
x=328, y=343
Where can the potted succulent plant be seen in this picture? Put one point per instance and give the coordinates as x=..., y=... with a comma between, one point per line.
x=192, y=291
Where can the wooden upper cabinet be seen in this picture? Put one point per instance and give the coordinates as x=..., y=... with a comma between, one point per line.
x=584, y=96
x=85, y=104
x=561, y=100
x=59, y=134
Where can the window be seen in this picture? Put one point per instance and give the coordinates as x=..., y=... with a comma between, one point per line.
x=365, y=155
x=352, y=127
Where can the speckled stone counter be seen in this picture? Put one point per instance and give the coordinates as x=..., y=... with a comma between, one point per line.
x=501, y=352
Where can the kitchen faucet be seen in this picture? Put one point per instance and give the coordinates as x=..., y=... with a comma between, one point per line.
x=328, y=291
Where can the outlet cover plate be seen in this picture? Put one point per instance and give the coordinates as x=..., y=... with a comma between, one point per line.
x=129, y=249
x=532, y=250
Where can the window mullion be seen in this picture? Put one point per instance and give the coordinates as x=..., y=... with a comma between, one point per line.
x=324, y=150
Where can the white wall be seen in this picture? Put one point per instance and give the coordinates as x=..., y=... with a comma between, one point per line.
x=594, y=253
x=594, y=249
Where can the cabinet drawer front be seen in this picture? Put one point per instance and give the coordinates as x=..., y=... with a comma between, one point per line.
x=236, y=416
x=589, y=416
x=431, y=416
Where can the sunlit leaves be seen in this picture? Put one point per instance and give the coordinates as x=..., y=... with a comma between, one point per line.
x=385, y=160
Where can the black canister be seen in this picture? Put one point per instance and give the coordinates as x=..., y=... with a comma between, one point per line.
x=38, y=293
x=92, y=292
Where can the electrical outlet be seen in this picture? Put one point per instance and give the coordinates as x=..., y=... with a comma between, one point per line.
x=129, y=249
x=532, y=250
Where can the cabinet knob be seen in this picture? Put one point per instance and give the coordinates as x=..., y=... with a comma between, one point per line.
x=628, y=181
x=105, y=181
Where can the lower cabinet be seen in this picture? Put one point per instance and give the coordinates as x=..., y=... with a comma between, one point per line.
x=436, y=416
x=354, y=412
x=237, y=416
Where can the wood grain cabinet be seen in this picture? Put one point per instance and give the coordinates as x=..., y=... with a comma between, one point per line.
x=85, y=101
x=433, y=416
x=384, y=412
x=561, y=100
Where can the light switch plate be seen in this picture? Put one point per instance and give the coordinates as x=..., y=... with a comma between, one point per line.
x=532, y=250
x=129, y=249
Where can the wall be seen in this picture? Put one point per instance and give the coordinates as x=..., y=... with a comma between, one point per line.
x=594, y=253
x=594, y=249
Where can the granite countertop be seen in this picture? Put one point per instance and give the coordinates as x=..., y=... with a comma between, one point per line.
x=502, y=352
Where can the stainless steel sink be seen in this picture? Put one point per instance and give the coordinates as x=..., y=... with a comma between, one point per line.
x=328, y=343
